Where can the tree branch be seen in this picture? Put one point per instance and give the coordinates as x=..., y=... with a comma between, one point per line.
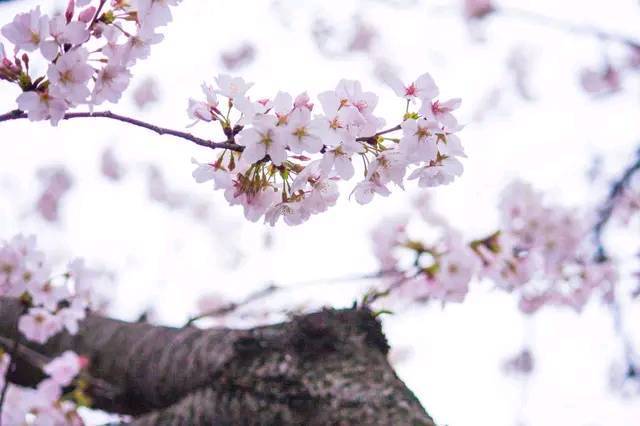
x=228, y=144
x=617, y=188
x=329, y=367
x=563, y=25
x=380, y=133
x=18, y=115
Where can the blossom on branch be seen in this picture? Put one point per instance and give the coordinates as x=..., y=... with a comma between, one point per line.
x=543, y=253
x=71, y=44
x=289, y=155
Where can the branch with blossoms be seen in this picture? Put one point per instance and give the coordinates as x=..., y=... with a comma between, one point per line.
x=49, y=304
x=278, y=160
x=291, y=160
x=543, y=254
x=18, y=115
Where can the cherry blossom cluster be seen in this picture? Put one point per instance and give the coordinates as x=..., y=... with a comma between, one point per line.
x=544, y=254
x=54, y=401
x=52, y=303
x=286, y=154
x=87, y=51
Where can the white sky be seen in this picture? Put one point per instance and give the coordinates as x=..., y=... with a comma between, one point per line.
x=166, y=259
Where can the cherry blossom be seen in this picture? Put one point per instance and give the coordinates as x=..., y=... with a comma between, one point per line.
x=338, y=161
x=39, y=325
x=154, y=13
x=419, y=141
x=263, y=139
x=442, y=173
x=64, y=32
x=205, y=111
x=423, y=88
x=64, y=368
x=28, y=31
x=232, y=87
x=42, y=106
x=297, y=133
x=339, y=123
x=365, y=191
x=442, y=111
x=294, y=213
x=70, y=74
x=110, y=83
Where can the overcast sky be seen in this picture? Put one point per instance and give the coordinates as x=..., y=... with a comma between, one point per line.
x=166, y=259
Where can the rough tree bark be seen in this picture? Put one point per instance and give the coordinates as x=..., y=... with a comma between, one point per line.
x=325, y=368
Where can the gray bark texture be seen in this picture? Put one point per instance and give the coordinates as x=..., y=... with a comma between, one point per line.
x=324, y=368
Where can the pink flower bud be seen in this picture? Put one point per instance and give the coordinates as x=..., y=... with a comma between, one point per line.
x=83, y=361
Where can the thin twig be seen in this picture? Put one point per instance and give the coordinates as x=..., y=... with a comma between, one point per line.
x=18, y=115
x=374, y=296
x=606, y=212
x=617, y=188
x=380, y=133
x=230, y=307
x=228, y=144
x=563, y=25
x=274, y=288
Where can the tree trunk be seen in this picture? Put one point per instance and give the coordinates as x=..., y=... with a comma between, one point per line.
x=325, y=368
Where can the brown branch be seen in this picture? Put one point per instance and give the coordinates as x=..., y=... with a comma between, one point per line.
x=328, y=367
x=18, y=115
x=228, y=144
x=380, y=133
x=34, y=358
